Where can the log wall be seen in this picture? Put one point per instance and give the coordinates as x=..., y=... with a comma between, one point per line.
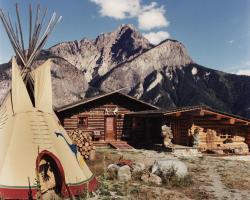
x=221, y=138
x=215, y=137
x=96, y=120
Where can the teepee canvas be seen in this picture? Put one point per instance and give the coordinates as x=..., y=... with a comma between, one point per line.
x=36, y=153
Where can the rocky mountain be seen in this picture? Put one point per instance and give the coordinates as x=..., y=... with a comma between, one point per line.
x=97, y=57
x=69, y=83
x=164, y=75
x=167, y=77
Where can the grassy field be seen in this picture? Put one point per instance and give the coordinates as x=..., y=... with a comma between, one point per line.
x=210, y=177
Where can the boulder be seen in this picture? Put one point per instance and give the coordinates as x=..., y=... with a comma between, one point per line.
x=163, y=167
x=151, y=178
x=113, y=170
x=124, y=173
x=138, y=167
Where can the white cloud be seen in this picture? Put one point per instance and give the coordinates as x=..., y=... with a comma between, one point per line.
x=243, y=72
x=118, y=9
x=151, y=17
x=148, y=16
x=156, y=37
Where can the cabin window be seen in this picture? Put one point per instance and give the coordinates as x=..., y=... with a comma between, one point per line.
x=82, y=122
x=223, y=136
x=226, y=133
x=230, y=136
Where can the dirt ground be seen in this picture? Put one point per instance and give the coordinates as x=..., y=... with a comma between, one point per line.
x=222, y=178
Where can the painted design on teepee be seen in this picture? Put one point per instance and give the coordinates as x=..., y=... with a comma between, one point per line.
x=72, y=146
x=50, y=172
x=28, y=123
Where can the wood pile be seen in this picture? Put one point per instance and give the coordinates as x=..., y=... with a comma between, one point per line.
x=84, y=142
x=218, y=142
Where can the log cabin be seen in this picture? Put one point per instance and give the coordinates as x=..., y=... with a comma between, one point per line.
x=218, y=132
x=115, y=119
x=104, y=117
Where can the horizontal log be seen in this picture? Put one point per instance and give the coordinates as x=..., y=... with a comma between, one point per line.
x=70, y=122
x=95, y=122
x=70, y=127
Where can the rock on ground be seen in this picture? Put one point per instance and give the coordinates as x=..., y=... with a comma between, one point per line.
x=151, y=178
x=162, y=167
x=113, y=170
x=124, y=173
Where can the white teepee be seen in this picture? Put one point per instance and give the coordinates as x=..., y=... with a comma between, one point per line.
x=35, y=150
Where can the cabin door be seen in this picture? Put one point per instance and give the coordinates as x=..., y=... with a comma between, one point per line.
x=110, y=129
x=175, y=126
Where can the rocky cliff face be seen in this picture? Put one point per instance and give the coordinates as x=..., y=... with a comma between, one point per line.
x=68, y=83
x=163, y=75
x=167, y=77
x=170, y=54
x=97, y=57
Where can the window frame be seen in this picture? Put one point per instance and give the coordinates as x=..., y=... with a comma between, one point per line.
x=85, y=121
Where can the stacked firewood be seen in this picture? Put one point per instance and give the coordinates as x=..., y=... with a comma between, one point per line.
x=84, y=142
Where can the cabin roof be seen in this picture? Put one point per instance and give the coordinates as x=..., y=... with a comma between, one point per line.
x=189, y=110
x=88, y=100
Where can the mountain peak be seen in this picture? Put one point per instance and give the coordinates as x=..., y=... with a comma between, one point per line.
x=124, y=31
x=126, y=26
x=98, y=56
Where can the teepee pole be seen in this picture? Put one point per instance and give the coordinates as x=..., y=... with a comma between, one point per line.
x=36, y=39
x=10, y=35
x=34, y=35
x=20, y=28
x=30, y=24
x=44, y=38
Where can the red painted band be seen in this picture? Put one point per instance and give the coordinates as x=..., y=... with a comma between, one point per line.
x=22, y=193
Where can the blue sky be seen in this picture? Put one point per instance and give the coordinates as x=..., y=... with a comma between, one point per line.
x=215, y=32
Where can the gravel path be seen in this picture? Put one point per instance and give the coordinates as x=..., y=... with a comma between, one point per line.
x=220, y=191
